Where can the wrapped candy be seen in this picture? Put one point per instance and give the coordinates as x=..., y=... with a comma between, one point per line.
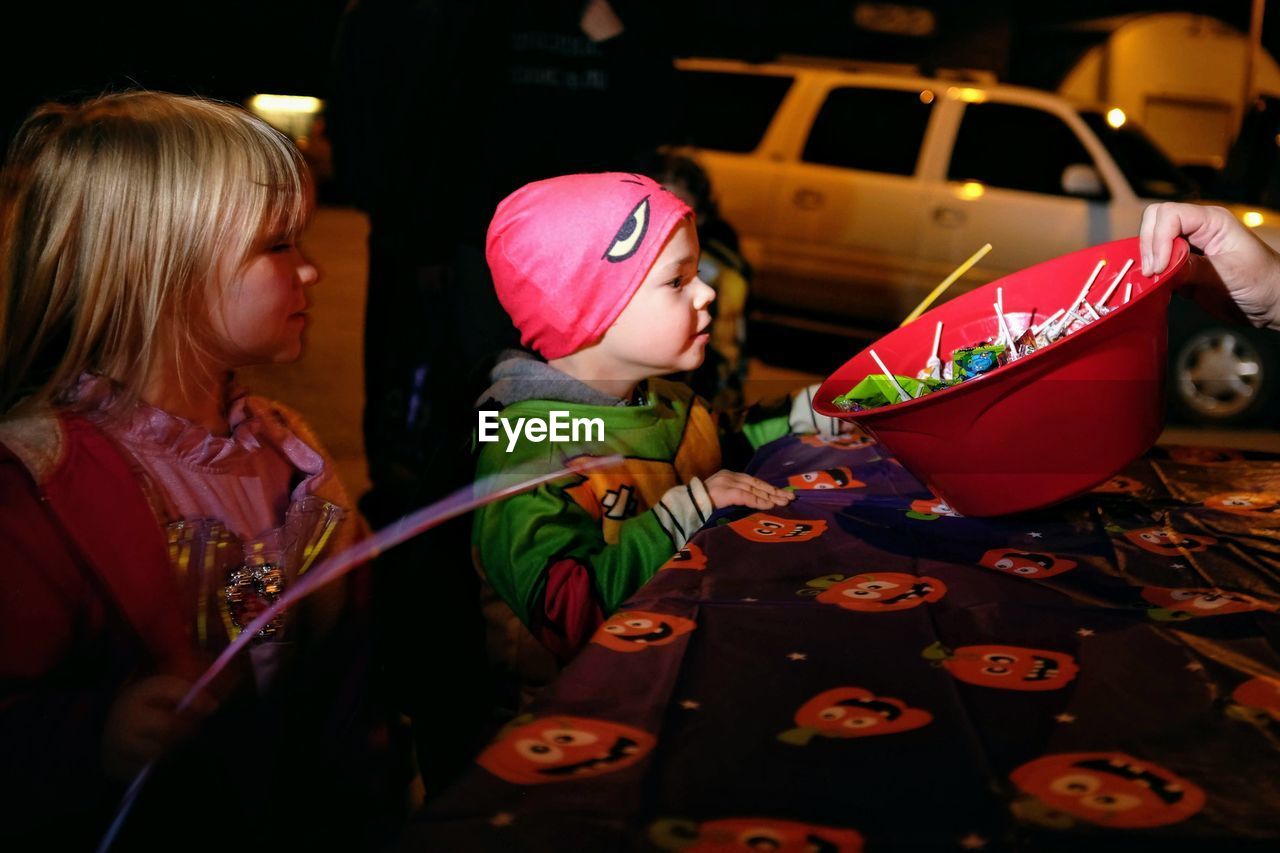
x=977, y=360
x=877, y=390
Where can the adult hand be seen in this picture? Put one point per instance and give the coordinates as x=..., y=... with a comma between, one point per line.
x=1235, y=274
x=599, y=22
x=729, y=488
x=144, y=721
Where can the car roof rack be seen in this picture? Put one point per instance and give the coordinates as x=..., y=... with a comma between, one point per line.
x=906, y=69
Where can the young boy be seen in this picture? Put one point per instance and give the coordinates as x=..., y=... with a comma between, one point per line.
x=599, y=273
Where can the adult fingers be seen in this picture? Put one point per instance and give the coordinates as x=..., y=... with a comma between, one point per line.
x=1161, y=223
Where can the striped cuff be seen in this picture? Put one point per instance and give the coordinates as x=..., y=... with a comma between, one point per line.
x=804, y=419
x=682, y=510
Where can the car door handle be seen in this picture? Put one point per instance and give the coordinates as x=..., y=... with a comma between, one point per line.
x=948, y=217
x=807, y=199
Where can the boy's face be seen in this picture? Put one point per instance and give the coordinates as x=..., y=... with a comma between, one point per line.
x=665, y=326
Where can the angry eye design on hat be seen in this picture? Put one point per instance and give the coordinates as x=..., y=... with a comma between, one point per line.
x=630, y=234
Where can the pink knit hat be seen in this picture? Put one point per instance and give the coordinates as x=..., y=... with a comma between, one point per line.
x=567, y=253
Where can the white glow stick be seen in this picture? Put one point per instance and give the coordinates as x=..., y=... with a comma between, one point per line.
x=892, y=378
x=1116, y=283
x=1128, y=291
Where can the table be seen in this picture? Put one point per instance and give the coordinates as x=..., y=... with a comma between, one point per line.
x=865, y=670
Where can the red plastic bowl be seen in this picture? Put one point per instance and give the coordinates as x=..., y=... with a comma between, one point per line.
x=1043, y=428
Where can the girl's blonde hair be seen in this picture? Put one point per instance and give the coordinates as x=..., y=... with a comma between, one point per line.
x=114, y=214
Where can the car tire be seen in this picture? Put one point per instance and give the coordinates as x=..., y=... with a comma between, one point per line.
x=1224, y=375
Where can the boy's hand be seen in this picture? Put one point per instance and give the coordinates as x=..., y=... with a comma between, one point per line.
x=729, y=488
x=144, y=721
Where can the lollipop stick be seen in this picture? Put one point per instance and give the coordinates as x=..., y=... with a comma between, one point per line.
x=901, y=391
x=933, y=366
x=1084, y=291
x=1116, y=283
x=1004, y=333
x=1035, y=330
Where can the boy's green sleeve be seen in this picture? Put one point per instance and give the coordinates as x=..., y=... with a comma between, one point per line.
x=547, y=558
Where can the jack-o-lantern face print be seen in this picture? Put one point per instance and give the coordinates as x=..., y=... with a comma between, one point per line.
x=637, y=630
x=757, y=835
x=883, y=592
x=851, y=712
x=1120, y=485
x=1034, y=565
x=762, y=527
x=689, y=557
x=828, y=478
x=1110, y=789
x=1193, y=603
x=1011, y=667
x=1244, y=503
x=1261, y=693
x=933, y=507
x=559, y=749
x=1170, y=543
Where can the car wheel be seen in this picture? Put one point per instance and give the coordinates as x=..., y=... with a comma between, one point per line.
x=1223, y=375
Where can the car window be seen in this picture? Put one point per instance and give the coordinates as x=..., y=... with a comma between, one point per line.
x=877, y=130
x=730, y=112
x=1018, y=148
x=1149, y=170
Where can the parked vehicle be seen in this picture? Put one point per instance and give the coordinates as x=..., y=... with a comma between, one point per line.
x=856, y=190
x=1184, y=77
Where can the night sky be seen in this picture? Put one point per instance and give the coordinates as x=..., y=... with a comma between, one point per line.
x=234, y=48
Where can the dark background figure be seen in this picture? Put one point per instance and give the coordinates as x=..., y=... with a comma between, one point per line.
x=723, y=371
x=438, y=109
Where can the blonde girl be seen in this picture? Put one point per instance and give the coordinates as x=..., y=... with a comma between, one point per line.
x=149, y=507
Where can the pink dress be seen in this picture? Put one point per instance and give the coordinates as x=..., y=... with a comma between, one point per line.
x=239, y=511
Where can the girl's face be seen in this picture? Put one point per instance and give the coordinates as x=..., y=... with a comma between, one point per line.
x=258, y=312
x=664, y=327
